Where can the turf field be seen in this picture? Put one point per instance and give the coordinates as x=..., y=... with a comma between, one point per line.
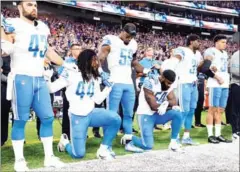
x=34, y=155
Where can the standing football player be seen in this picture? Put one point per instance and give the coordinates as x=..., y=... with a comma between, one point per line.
x=27, y=88
x=120, y=52
x=216, y=67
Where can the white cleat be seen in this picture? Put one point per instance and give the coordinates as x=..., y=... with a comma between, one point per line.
x=235, y=137
x=20, y=165
x=174, y=146
x=112, y=152
x=132, y=148
x=125, y=139
x=105, y=154
x=53, y=161
x=62, y=143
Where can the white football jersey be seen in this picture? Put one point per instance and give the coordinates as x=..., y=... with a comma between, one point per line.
x=220, y=60
x=186, y=70
x=120, y=58
x=81, y=95
x=30, y=47
x=161, y=96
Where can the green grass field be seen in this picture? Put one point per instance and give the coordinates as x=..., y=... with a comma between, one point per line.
x=33, y=149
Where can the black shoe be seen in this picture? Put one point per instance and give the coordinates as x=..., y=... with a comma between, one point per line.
x=222, y=139
x=212, y=139
x=97, y=135
x=222, y=123
x=200, y=125
x=157, y=128
x=134, y=131
x=193, y=126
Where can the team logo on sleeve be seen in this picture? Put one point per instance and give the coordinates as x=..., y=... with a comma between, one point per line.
x=65, y=74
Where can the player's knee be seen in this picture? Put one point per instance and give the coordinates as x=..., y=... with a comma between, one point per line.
x=18, y=129
x=178, y=116
x=148, y=146
x=79, y=154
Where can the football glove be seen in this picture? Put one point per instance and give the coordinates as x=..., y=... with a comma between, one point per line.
x=163, y=108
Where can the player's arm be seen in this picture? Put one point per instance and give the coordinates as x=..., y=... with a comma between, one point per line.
x=54, y=57
x=151, y=99
x=172, y=99
x=57, y=85
x=103, y=53
x=138, y=67
x=100, y=96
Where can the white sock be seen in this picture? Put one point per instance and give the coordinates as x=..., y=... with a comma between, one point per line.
x=47, y=145
x=210, y=130
x=217, y=130
x=128, y=136
x=178, y=136
x=103, y=146
x=18, y=149
x=186, y=135
x=173, y=140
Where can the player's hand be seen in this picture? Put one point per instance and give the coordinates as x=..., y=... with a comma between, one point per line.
x=107, y=83
x=8, y=28
x=177, y=108
x=48, y=73
x=163, y=108
x=213, y=68
x=157, y=66
x=104, y=75
x=219, y=80
x=70, y=66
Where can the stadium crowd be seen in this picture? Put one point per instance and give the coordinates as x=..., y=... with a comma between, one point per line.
x=66, y=31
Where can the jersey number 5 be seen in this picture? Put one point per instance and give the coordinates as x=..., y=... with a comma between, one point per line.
x=81, y=89
x=38, y=44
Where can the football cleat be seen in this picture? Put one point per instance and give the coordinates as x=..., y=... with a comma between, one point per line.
x=53, y=161
x=235, y=137
x=105, y=154
x=62, y=143
x=174, y=146
x=132, y=148
x=21, y=165
x=125, y=139
x=189, y=141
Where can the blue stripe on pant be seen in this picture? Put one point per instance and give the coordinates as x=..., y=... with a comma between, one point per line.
x=147, y=123
x=99, y=117
x=125, y=94
x=31, y=92
x=188, y=97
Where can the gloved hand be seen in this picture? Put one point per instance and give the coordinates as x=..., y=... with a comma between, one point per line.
x=163, y=108
x=70, y=66
x=8, y=28
x=177, y=108
x=107, y=83
x=153, y=76
x=47, y=73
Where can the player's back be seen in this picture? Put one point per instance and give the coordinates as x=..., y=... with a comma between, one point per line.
x=220, y=61
x=30, y=47
x=120, y=59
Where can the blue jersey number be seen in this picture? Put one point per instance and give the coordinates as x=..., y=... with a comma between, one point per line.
x=126, y=57
x=193, y=70
x=161, y=97
x=224, y=65
x=81, y=89
x=34, y=45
